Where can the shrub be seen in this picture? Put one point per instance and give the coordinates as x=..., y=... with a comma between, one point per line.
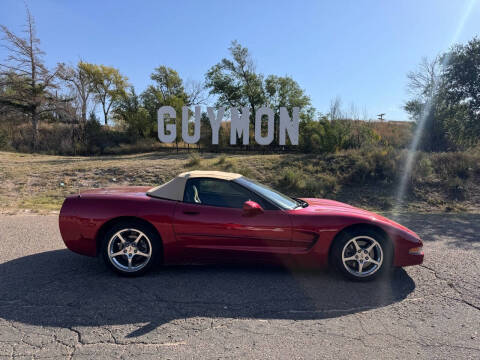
x=228, y=165
x=291, y=181
x=3, y=139
x=385, y=165
x=325, y=135
x=245, y=171
x=424, y=167
x=321, y=186
x=361, y=171
x=195, y=160
x=456, y=189
x=456, y=164
x=221, y=159
x=374, y=164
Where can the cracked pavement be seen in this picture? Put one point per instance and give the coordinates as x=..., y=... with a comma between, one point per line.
x=56, y=304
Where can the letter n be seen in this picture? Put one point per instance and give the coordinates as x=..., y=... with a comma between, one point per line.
x=289, y=125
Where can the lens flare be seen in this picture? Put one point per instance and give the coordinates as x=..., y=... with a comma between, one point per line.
x=412, y=151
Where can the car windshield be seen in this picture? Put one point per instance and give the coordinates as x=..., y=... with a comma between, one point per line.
x=283, y=201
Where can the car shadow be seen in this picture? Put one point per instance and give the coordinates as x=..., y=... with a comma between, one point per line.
x=62, y=289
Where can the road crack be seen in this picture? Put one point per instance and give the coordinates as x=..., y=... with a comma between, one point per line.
x=452, y=286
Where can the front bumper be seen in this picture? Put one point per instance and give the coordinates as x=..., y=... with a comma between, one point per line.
x=408, y=253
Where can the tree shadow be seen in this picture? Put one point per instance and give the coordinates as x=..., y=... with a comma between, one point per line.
x=62, y=289
x=457, y=230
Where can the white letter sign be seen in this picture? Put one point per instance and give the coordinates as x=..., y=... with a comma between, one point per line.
x=171, y=128
x=215, y=122
x=290, y=126
x=240, y=125
x=196, y=130
x=258, y=126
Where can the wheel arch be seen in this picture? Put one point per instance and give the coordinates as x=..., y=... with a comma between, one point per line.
x=108, y=224
x=362, y=226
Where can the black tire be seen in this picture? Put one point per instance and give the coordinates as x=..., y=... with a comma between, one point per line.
x=346, y=240
x=130, y=262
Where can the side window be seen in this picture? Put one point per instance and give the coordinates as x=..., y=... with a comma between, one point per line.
x=216, y=192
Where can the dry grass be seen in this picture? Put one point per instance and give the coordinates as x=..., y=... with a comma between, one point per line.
x=40, y=182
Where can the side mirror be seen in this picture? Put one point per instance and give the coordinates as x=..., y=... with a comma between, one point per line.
x=251, y=208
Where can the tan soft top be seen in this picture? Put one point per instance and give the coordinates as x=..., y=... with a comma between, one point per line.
x=174, y=189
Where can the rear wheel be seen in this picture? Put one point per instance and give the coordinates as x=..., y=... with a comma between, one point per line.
x=362, y=254
x=130, y=248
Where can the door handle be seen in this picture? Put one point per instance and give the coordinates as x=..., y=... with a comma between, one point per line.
x=191, y=212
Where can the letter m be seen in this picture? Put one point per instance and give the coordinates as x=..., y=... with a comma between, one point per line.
x=239, y=125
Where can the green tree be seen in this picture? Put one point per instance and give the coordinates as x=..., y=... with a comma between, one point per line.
x=446, y=98
x=286, y=92
x=168, y=89
x=129, y=111
x=205, y=132
x=461, y=93
x=107, y=84
x=235, y=82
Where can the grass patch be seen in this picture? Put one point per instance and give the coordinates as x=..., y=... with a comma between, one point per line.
x=301, y=185
x=366, y=178
x=43, y=202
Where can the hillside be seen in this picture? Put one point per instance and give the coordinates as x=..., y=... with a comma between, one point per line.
x=441, y=182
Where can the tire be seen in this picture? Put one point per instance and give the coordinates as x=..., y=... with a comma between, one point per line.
x=362, y=254
x=131, y=248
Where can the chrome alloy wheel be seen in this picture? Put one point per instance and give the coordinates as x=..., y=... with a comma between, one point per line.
x=129, y=250
x=362, y=256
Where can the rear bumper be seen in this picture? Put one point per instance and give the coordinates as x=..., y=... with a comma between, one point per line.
x=74, y=239
x=78, y=234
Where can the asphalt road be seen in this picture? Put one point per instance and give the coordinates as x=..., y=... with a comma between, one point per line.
x=54, y=303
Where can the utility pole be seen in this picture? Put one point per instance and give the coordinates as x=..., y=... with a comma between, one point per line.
x=380, y=116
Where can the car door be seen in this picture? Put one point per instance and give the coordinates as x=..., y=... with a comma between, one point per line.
x=210, y=222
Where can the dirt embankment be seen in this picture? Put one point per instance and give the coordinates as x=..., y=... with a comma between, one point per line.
x=39, y=183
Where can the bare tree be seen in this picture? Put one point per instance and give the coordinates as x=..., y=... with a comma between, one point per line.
x=354, y=113
x=196, y=92
x=30, y=84
x=336, y=108
x=365, y=116
x=423, y=82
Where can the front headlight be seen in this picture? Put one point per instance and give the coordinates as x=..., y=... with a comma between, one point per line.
x=416, y=250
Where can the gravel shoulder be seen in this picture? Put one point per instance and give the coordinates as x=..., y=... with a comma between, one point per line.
x=54, y=303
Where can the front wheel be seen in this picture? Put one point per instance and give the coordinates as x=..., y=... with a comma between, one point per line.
x=362, y=254
x=130, y=248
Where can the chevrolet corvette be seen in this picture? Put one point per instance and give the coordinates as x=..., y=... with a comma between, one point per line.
x=211, y=216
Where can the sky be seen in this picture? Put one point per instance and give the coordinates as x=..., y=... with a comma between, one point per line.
x=359, y=51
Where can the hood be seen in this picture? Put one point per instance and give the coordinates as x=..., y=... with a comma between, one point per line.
x=319, y=206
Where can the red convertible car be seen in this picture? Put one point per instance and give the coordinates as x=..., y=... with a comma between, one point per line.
x=211, y=216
